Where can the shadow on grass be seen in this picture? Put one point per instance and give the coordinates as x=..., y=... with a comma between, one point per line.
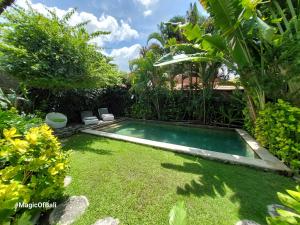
x=86, y=143
x=253, y=190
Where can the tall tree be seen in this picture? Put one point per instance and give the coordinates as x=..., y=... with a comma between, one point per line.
x=45, y=52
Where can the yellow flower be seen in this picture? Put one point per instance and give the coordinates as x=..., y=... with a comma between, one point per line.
x=31, y=137
x=60, y=166
x=54, y=170
x=20, y=145
x=8, y=134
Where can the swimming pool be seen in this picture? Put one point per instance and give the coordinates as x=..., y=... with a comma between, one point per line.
x=217, y=140
x=234, y=146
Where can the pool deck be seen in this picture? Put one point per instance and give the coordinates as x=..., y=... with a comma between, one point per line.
x=266, y=162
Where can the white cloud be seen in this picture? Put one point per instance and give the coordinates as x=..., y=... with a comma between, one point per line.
x=147, y=3
x=120, y=30
x=148, y=12
x=123, y=55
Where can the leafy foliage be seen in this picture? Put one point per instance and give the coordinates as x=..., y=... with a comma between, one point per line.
x=11, y=118
x=32, y=169
x=10, y=100
x=148, y=80
x=292, y=201
x=221, y=108
x=278, y=129
x=47, y=52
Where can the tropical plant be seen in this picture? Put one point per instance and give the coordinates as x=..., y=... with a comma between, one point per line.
x=56, y=55
x=178, y=214
x=32, y=168
x=147, y=80
x=278, y=129
x=167, y=31
x=4, y=100
x=12, y=99
x=288, y=217
x=244, y=41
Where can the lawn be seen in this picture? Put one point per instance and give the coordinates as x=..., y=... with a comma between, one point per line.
x=139, y=185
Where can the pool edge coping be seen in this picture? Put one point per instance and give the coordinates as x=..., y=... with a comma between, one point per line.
x=266, y=162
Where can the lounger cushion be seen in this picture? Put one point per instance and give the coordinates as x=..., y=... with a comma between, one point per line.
x=90, y=118
x=107, y=117
x=90, y=121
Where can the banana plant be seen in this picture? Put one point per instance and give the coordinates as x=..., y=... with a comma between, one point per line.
x=246, y=42
x=4, y=101
x=288, y=217
x=10, y=100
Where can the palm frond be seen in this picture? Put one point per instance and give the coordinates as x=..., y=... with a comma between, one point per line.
x=97, y=34
x=68, y=15
x=82, y=24
x=156, y=36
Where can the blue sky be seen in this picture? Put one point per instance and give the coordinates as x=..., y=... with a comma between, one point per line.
x=130, y=21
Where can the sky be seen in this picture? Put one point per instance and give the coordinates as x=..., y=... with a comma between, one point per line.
x=129, y=21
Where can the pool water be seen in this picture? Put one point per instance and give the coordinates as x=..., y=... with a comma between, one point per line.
x=218, y=140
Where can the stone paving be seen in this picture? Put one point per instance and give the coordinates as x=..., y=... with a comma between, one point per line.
x=69, y=211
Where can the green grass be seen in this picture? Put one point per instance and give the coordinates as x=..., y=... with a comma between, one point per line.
x=139, y=185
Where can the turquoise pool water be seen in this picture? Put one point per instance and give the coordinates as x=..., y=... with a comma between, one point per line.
x=218, y=140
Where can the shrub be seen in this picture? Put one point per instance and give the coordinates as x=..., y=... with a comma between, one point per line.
x=218, y=108
x=11, y=118
x=248, y=122
x=278, y=129
x=32, y=169
x=287, y=217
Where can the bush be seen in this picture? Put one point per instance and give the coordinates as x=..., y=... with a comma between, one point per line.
x=32, y=169
x=11, y=118
x=216, y=108
x=278, y=129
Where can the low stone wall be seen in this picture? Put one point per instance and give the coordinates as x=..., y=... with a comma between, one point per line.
x=68, y=131
x=76, y=128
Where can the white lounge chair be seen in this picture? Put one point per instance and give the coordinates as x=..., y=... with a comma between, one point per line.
x=105, y=115
x=88, y=118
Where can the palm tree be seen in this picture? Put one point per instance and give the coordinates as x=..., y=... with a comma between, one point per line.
x=168, y=30
x=147, y=80
x=247, y=44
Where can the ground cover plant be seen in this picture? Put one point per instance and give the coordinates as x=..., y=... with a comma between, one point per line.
x=140, y=185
